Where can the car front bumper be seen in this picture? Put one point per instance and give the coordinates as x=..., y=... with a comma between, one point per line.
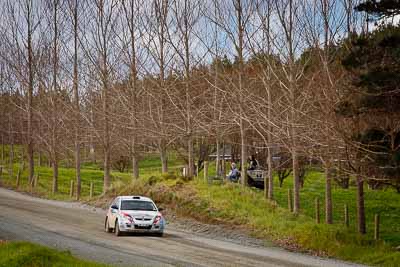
x=131, y=227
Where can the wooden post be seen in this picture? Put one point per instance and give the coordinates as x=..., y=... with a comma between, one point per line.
x=91, y=190
x=71, y=189
x=35, y=184
x=206, y=171
x=223, y=168
x=18, y=178
x=376, y=230
x=31, y=183
x=197, y=170
x=2, y=148
x=317, y=210
x=346, y=215
x=185, y=171
x=290, y=206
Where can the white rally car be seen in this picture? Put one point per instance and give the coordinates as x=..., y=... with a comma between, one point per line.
x=134, y=214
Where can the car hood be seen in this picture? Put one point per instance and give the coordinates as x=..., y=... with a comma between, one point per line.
x=146, y=214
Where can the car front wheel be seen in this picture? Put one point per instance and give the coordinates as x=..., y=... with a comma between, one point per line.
x=107, y=226
x=117, y=231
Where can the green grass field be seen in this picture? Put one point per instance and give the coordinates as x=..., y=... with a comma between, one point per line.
x=24, y=254
x=383, y=202
x=90, y=172
x=246, y=207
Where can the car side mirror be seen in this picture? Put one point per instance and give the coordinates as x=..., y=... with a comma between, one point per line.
x=160, y=209
x=114, y=207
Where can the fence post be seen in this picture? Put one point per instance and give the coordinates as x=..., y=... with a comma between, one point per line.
x=18, y=178
x=36, y=181
x=290, y=206
x=71, y=189
x=376, y=230
x=206, y=171
x=223, y=168
x=91, y=190
x=346, y=215
x=317, y=210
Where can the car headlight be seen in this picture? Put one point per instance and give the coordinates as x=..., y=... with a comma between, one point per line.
x=126, y=217
x=157, y=219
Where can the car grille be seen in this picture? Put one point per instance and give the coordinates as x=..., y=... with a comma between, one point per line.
x=147, y=227
x=143, y=219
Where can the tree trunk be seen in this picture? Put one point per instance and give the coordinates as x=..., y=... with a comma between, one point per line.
x=243, y=153
x=135, y=160
x=92, y=152
x=190, y=156
x=106, y=136
x=76, y=105
x=2, y=149
x=55, y=175
x=103, y=38
x=54, y=141
x=39, y=158
x=163, y=157
x=223, y=163
x=11, y=156
x=107, y=170
x=78, y=169
x=270, y=176
x=328, y=196
x=239, y=50
x=296, y=183
x=164, y=162
x=217, y=158
x=11, y=152
x=360, y=205
x=269, y=150
x=30, y=96
x=135, y=167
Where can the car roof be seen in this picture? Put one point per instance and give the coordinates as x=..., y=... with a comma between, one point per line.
x=140, y=198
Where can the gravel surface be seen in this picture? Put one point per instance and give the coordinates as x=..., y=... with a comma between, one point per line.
x=79, y=228
x=217, y=232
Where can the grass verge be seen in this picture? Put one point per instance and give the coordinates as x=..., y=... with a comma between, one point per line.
x=24, y=254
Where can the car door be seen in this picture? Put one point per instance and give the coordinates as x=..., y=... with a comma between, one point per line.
x=113, y=212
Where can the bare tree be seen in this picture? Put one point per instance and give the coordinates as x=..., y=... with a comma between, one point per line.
x=74, y=14
x=131, y=11
x=233, y=18
x=263, y=104
x=287, y=12
x=98, y=48
x=186, y=15
x=23, y=17
x=157, y=26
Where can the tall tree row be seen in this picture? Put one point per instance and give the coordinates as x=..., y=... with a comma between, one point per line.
x=83, y=80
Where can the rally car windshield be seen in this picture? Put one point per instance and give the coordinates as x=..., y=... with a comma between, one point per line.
x=137, y=205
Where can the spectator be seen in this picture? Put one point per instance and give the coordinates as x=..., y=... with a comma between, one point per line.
x=253, y=164
x=234, y=174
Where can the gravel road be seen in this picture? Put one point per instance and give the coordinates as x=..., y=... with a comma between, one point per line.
x=79, y=228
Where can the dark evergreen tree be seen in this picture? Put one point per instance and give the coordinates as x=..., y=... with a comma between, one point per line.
x=374, y=62
x=372, y=102
x=380, y=9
